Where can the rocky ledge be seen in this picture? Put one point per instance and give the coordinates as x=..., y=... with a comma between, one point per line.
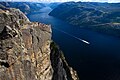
x=27, y=51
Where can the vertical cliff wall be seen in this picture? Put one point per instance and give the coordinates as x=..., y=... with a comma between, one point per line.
x=27, y=51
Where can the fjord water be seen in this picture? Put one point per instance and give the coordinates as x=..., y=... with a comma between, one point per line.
x=93, y=55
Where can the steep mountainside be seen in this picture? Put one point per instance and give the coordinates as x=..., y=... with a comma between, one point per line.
x=104, y=17
x=27, y=51
x=54, y=5
x=25, y=7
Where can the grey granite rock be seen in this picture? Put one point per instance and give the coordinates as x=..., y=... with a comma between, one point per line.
x=25, y=52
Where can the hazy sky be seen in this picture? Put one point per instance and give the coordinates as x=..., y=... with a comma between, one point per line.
x=67, y=0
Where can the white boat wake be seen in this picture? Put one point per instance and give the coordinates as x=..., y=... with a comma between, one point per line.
x=84, y=41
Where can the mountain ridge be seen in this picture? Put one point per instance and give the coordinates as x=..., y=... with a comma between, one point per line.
x=25, y=7
x=102, y=17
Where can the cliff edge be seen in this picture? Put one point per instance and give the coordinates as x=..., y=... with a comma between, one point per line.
x=27, y=51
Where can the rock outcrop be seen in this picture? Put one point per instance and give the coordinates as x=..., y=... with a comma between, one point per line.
x=61, y=69
x=27, y=51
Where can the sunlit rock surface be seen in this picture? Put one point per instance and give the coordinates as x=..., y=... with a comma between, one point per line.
x=26, y=51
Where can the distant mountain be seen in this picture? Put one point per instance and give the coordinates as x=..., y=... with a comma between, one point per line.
x=103, y=17
x=25, y=7
x=2, y=7
x=54, y=5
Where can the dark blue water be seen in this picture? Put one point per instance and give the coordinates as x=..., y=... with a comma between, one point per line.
x=98, y=60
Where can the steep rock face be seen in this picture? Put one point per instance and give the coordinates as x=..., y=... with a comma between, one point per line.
x=61, y=69
x=24, y=48
x=25, y=52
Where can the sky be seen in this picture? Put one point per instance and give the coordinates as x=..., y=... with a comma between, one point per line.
x=110, y=1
